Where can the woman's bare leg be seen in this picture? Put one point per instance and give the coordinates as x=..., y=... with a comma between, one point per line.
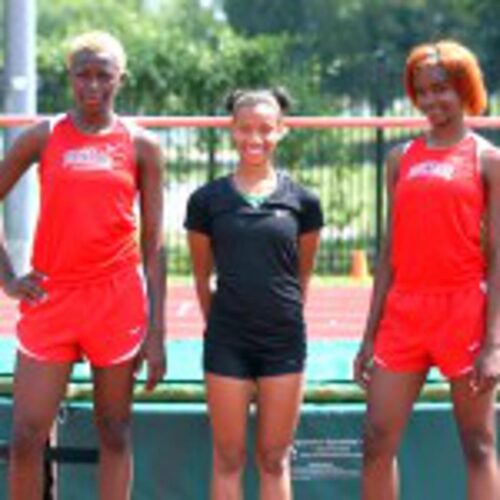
x=278, y=403
x=112, y=411
x=228, y=402
x=475, y=417
x=390, y=400
x=39, y=388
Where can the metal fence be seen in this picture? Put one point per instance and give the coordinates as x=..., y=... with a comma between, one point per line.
x=339, y=164
x=341, y=159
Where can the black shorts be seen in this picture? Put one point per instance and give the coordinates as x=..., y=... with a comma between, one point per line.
x=246, y=363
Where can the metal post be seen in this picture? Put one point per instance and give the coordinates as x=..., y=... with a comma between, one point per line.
x=211, y=154
x=20, y=97
x=379, y=149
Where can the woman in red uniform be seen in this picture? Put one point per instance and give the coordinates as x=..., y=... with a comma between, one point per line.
x=87, y=296
x=436, y=294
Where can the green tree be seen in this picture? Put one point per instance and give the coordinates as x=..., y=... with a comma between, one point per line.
x=486, y=37
x=181, y=60
x=347, y=37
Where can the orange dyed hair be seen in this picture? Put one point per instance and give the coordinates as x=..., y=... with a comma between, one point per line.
x=461, y=66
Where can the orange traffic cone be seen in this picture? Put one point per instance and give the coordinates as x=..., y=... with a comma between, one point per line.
x=359, y=265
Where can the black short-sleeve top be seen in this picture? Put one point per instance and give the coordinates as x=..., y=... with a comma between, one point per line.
x=258, y=298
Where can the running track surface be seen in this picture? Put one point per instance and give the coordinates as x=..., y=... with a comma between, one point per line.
x=331, y=313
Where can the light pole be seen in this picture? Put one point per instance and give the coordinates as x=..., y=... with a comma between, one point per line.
x=20, y=98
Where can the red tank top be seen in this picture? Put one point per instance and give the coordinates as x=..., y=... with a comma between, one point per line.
x=438, y=209
x=88, y=185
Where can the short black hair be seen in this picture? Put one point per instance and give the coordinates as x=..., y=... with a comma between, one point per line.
x=241, y=97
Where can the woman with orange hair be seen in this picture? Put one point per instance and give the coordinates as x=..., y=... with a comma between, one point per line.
x=436, y=298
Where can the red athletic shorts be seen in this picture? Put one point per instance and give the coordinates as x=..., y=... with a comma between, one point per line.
x=103, y=321
x=420, y=330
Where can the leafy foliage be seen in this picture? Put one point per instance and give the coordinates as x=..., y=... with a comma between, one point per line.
x=180, y=60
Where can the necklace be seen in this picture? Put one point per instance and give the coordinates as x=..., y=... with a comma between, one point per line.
x=256, y=186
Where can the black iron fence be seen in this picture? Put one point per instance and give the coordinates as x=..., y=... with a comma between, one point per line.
x=341, y=159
